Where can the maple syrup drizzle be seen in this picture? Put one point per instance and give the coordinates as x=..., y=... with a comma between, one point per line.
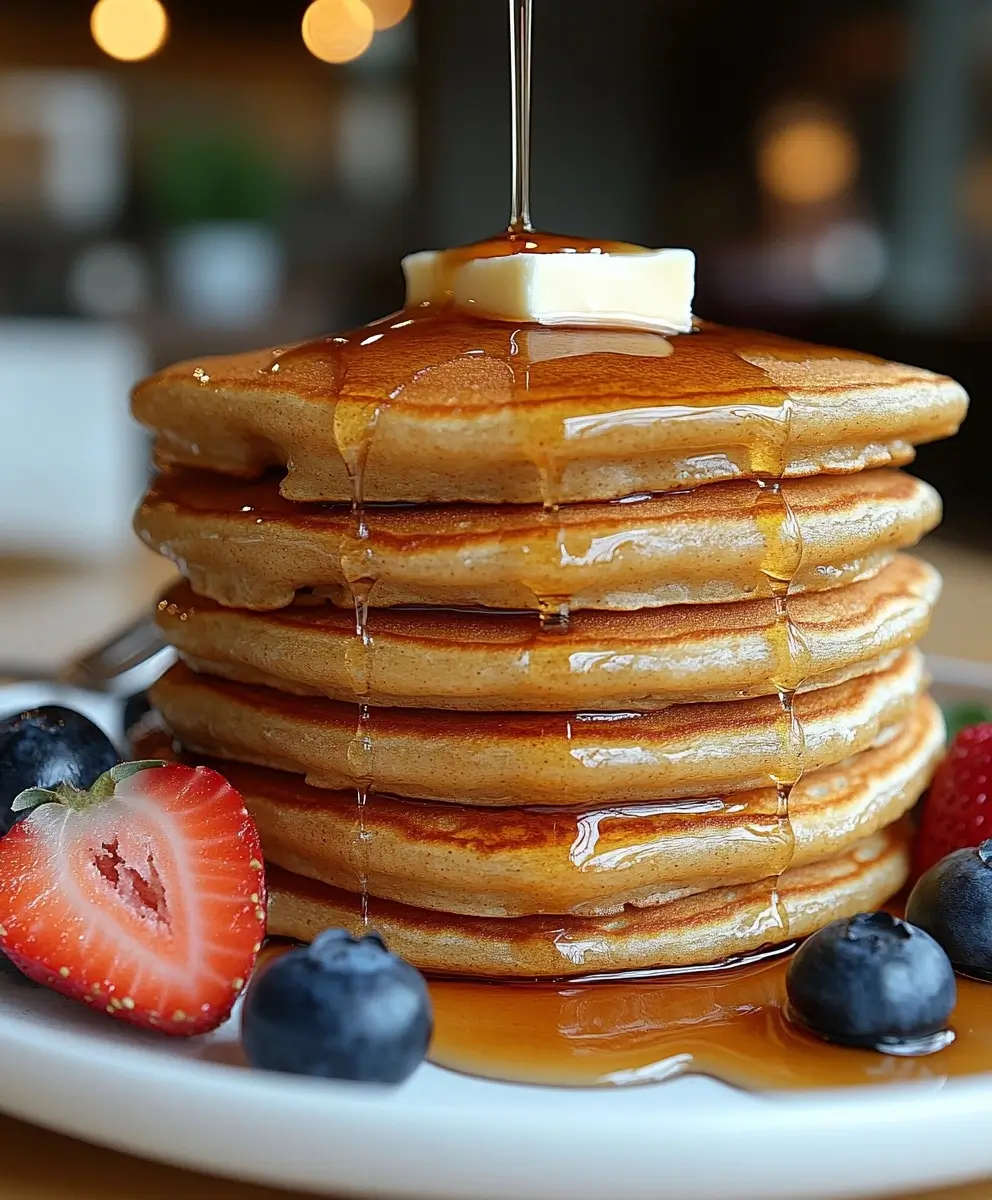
x=356, y=421
x=354, y=429
x=782, y=557
x=521, y=22
x=553, y=611
x=767, y=409
x=543, y=435
x=386, y=362
x=781, y=562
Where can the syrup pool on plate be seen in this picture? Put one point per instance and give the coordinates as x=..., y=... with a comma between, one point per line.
x=729, y=1024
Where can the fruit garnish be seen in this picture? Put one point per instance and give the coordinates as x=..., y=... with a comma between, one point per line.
x=953, y=903
x=957, y=812
x=874, y=981
x=143, y=896
x=341, y=1008
x=48, y=746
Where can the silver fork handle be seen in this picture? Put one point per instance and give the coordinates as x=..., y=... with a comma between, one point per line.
x=128, y=662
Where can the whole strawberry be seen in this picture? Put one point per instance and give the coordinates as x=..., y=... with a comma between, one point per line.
x=957, y=812
x=142, y=896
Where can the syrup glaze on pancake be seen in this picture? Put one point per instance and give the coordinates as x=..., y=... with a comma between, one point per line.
x=244, y=545
x=508, y=759
x=436, y=406
x=599, y=661
x=519, y=861
x=701, y=928
x=430, y=405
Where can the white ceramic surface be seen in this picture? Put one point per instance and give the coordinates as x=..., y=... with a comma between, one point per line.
x=63, y=386
x=442, y=1135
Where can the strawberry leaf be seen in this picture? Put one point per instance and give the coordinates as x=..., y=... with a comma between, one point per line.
x=103, y=789
x=75, y=799
x=32, y=797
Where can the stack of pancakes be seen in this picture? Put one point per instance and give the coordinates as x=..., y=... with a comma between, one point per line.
x=549, y=653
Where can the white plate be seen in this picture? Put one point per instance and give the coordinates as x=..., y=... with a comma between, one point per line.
x=443, y=1135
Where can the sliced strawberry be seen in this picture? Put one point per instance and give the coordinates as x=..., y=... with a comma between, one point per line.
x=957, y=812
x=144, y=896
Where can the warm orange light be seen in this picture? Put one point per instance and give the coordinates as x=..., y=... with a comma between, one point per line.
x=978, y=196
x=337, y=31
x=387, y=13
x=129, y=30
x=807, y=160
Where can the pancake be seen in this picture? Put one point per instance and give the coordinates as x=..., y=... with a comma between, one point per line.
x=428, y=405
x=244, y=545
x=499, y=759
x=521, y=861
x=702, y=928
x=603, y=661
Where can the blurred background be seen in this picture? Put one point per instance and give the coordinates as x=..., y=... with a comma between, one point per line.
x=189, y=176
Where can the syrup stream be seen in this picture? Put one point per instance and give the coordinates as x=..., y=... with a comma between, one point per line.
x=553, y=611
x=521, y=20
x=354, y=429
x=782, y=559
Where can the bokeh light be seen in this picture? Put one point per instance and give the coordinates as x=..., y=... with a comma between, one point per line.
x=808, y=160
x=129, y=30
x=109, y=280
x=978, y=195
x=850, y=261
x=338, y=31
x=387, y=13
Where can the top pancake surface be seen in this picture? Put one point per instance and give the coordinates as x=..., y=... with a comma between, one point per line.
x=426, y=406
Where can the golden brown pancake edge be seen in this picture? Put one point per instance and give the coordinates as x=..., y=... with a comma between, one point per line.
x=604, y=660
x=508, y=759
x=244, y=545
x=704, y=928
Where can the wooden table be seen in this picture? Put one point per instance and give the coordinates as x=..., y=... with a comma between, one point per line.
x=64, y=611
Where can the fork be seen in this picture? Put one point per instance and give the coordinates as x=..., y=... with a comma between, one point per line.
x=125, y=664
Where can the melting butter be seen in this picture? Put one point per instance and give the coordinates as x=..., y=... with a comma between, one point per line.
x=650, y=290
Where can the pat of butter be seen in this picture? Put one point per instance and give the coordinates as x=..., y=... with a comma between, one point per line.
x=649, y=289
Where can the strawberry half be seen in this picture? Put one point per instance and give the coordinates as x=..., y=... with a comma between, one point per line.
x=143, y=896
x=957, y=812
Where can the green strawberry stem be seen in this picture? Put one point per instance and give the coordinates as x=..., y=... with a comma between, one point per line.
x=79, y=799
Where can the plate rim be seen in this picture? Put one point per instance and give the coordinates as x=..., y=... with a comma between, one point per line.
x=78, y=1081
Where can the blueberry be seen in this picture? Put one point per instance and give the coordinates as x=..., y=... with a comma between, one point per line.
x=47, y=746
x=342, y=1008
x=872, y=980
x=953, y=903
